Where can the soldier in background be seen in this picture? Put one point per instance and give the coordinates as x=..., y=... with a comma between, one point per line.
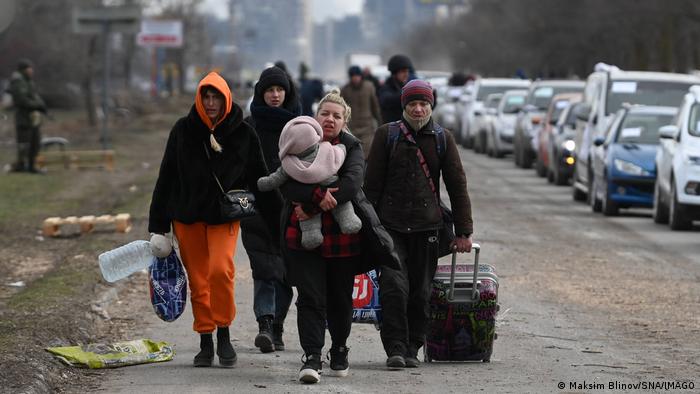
x=28, y=116
x=362, y=98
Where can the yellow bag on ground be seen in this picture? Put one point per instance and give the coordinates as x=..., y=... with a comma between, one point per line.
x=118, y=354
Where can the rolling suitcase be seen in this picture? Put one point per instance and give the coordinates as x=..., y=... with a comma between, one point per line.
x=462, y=323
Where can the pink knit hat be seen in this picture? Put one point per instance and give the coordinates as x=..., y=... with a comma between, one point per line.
x=300, y=134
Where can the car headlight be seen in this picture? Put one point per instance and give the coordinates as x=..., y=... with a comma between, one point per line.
x=569, y=145
x=630, y=168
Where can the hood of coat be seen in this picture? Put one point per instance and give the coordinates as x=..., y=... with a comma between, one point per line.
x=217, y=82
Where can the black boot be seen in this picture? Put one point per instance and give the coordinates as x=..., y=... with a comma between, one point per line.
x=206, y=353
x=224, y=349
x=264, y=338
x=277, y=331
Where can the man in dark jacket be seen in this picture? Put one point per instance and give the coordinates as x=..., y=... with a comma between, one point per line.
x=402, y=181
x=28, y=109
x=389, y=94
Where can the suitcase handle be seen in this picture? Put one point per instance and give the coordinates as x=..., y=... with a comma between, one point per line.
x=475, y=291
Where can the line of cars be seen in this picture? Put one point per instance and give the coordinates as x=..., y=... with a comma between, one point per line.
x=622, y=139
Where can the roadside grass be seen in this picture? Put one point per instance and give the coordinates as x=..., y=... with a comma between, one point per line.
x=55, y=308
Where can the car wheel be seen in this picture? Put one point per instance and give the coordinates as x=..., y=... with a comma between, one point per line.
x=660, y=210
x=559, y=178
x=516, y=155
x=526, y=159
x=550, y=175
x=540, y=168
x=678, y=219
x=596, y=204
x=577, y=194
x=609, y=206
x=482, y=142
x=497, y=153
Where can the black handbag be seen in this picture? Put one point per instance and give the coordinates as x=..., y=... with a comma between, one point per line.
x=234, y=204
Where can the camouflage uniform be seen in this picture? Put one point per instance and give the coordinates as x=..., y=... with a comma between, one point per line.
x=28, y=108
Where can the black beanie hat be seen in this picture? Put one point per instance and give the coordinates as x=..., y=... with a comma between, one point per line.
x=23, y=64
x=272, y=76
x=354, y=70
x=399, y=62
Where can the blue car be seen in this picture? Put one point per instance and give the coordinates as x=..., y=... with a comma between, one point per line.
x=623, y=170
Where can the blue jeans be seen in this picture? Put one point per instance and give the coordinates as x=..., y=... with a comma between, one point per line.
x=271, y=297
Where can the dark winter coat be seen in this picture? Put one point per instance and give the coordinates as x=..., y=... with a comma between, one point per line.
x=186, y=190
x=377, y=244
x=396, y=184
x=262, y=247
x=25, y=99
x=390, y=100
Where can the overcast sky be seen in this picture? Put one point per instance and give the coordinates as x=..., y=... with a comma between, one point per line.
x=322, y=9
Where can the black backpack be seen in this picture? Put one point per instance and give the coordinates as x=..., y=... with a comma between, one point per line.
x=392, y=137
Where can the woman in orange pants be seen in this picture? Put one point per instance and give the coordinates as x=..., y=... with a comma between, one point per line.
x=211, y=143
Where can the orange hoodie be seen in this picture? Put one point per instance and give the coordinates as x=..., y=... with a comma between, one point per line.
x=217, y=82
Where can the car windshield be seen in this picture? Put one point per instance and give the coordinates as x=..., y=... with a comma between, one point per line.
x=512, y=103
x=541, y=96
x=694, y=123
x=667, y=94
x=484, y=91
x=642, y=128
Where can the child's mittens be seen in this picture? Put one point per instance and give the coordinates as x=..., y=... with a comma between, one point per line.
x=266, y=183
x=160, y=245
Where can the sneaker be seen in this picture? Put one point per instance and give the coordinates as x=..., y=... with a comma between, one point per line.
x=411, y=357
x=396, y=356
x=339, y=361
x=264, y=338
x=310, y=372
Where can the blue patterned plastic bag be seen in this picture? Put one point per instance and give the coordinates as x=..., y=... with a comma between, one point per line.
x=168, y=285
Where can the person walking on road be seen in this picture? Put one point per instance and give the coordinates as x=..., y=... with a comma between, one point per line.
x=402, y=181
x=211, y=141
x=389, y=94
x=29, y=107
x=362, y=98
x=275, y=102
x=324, y=277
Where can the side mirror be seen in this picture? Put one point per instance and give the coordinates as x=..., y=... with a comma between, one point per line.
x=598, y=141
x=583, y=112
x=669, y=131
x=478, y=112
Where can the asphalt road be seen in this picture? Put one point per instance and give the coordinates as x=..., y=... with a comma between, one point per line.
x=588, y=304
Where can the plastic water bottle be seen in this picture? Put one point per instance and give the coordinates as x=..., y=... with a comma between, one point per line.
x=125, y=260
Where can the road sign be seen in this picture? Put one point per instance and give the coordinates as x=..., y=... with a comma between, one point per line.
x=160, y=33
x=93, y=20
